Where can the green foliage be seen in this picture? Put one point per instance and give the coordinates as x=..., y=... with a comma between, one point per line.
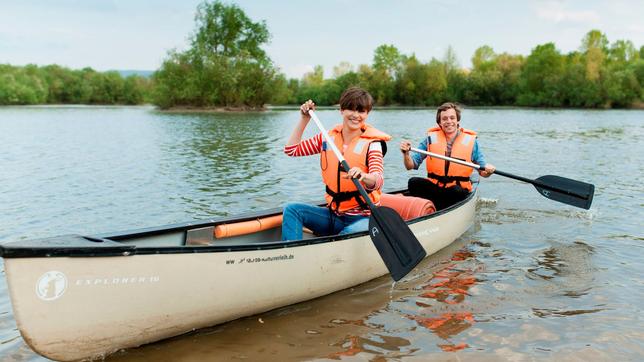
x=53, y=84
x=542, y=72
x=226, y=30
x=387, y=58
x=225, y=66
x=594, y=39
x=482, y=58
x=599, y=75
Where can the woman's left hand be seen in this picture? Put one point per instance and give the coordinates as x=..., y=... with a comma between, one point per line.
x=356, y=172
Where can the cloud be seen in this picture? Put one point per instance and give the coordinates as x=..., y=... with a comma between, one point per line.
x=556, y=12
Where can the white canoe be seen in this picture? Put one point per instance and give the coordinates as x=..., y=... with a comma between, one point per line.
x=76, y=297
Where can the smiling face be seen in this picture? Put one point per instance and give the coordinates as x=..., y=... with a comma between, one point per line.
x=449, y=122
x=353, y=120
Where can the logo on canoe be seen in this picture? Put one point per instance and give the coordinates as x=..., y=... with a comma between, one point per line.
x=51, y=285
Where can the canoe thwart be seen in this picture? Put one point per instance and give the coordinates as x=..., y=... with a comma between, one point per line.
x=200, y=236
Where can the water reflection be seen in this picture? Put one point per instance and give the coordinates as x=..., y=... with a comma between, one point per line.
x=374, y=345
x=437, y=302
x=222, y=155
x=448, y=286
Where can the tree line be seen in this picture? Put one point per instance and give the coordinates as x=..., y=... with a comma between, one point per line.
x=53, y=84
x=225, y=66
x=598, y=75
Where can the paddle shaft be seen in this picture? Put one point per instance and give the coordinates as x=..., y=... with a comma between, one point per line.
x=498, y=172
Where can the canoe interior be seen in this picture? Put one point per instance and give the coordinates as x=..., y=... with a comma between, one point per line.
x=180, y=238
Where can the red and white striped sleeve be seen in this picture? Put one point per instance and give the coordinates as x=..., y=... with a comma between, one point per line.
x=305, y=147
x=376, y=165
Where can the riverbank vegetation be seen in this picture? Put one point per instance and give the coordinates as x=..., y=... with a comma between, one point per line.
x=598, y=75
x=53, y=84
x=226, y=67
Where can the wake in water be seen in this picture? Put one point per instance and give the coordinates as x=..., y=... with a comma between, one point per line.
x=486, y=202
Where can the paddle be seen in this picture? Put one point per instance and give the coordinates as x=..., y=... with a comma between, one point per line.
x=396, y=244
x=565, y=190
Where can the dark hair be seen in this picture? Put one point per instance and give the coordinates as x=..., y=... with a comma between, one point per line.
x=356, y=99
x=446, y=106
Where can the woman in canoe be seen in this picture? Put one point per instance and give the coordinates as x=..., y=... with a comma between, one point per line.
x=363, y=147
x=447, y=183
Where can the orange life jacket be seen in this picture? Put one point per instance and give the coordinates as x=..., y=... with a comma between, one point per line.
x=342, y=194
x=445, y=173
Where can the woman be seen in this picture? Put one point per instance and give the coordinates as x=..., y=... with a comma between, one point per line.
x=363, y=147
x=447, y=183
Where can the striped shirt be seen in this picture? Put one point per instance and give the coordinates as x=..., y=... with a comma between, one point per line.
x=313, y=146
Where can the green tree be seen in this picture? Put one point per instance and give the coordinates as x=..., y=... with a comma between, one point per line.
x=594, y=46
x=594, y=39
x=540, y=77
x=314, y=78
x=623, y=51
x=227, y=31
x=387, y=58
x=482, y=57
x=225, y=66
x=450, y=60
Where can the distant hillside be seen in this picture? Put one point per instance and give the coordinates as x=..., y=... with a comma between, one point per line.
x=129, y=72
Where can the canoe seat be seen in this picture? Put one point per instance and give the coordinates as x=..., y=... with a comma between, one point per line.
x=247, y=227
x=408, y=207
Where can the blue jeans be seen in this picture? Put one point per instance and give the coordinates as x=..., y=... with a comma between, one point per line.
x=320, y=220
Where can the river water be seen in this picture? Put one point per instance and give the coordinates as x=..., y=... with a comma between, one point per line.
x=532, y=280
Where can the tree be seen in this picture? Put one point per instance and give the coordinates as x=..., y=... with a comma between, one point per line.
x=622, y=51
x=226, y=30
x=314, y=78
x=540, y=77
x=387, y=58
x=482, y=55
x=450, y=59
x=225, y=66
x=594, y=39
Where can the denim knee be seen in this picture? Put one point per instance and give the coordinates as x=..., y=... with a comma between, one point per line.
x=358, y=226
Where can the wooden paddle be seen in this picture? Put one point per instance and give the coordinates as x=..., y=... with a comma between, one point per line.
x=395, y=242
x=565, y=190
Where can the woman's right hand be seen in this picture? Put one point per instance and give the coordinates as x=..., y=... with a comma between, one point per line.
x=405, y=146
x=304, y=110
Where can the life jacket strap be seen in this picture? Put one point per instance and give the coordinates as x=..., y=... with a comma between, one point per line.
x=447, y=179
x=338, y=197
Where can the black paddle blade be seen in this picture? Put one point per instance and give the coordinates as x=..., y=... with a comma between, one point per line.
x=568, y=191
x=397, y=245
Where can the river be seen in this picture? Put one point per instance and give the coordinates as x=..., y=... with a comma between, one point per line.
x=532, y=280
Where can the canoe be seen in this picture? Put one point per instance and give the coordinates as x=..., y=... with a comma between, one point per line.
x=77, y=297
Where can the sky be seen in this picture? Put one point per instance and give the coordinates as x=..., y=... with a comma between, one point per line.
x=137, y=34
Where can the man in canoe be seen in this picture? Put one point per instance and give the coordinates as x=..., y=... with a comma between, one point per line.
x=447, y=182
x=363, y=147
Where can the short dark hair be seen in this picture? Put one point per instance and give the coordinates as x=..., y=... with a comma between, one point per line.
x=446, y=106
x=356, y=99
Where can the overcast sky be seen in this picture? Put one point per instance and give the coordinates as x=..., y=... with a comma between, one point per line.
x=137, y=34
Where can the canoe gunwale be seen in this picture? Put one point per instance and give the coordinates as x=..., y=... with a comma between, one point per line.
x=106, y=245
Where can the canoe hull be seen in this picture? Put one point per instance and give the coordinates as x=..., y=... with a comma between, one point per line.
x=70, y=308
